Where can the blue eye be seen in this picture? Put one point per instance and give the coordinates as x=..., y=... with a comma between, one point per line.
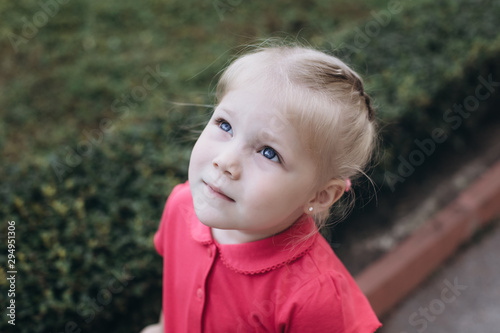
x=270, y=154
x=225, y=126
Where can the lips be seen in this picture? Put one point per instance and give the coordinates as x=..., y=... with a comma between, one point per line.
x=217, y=192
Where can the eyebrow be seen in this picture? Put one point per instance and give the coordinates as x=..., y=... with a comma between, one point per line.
x=269, y=136
x=226, y=110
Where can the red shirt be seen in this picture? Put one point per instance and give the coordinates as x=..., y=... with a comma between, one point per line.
x=285, y=283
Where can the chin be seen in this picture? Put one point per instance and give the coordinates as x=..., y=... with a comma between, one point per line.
x=216, y=225
x=208, y=219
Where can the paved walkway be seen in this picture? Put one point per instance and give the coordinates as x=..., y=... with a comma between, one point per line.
x=463, y=296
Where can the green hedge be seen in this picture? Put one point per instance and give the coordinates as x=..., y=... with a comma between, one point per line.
x=420, y=60
x=87, y=204
x=84, y=230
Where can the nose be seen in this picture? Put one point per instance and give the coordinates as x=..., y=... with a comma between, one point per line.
x=228, y=162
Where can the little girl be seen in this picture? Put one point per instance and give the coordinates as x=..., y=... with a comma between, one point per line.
x=239, y=240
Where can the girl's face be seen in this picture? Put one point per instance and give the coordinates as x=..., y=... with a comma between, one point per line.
x=250, y=174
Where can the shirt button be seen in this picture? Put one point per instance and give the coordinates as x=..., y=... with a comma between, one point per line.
x=199, y=293
x=210, y=252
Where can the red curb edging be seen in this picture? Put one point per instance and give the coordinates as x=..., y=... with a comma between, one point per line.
x=388, y=280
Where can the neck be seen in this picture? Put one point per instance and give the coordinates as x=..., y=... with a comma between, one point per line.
x=224, y=236
x=234, y=236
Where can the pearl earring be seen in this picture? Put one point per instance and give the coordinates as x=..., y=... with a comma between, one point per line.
x=310, y=209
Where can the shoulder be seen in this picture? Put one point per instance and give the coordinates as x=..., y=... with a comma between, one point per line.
x=179, y=202
x=180, y=193
x=177, y=206
x=331, y=302
x=322, y=293
x=326, y=296
x=318, y=260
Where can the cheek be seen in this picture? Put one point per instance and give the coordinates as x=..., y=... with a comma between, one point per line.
x=284, y=193
x=267, y=194
x=198, y=156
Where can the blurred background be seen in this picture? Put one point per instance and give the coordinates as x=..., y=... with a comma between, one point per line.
x=100, y=102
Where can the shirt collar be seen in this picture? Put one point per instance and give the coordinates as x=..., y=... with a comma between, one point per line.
x=263, y=255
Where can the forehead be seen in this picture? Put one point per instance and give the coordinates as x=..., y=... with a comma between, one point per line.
x=267, y=119
x=263, y=112
x=258, y=105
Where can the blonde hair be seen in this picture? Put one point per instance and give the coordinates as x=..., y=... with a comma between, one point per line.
x=324, y=99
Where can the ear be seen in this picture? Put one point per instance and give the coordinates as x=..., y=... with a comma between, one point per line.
x=326, y=196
